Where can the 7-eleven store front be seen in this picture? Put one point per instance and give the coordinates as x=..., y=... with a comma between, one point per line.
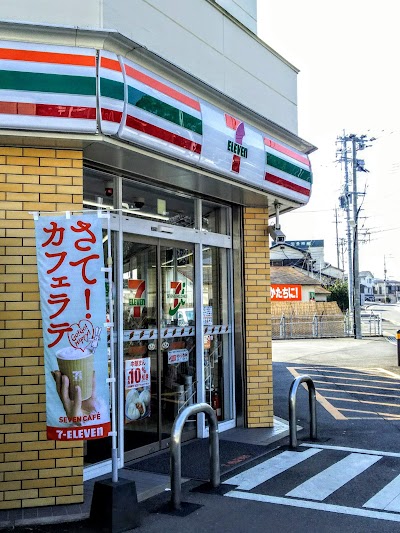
x=190, y=187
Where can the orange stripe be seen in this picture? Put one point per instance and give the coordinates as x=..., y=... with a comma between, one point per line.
x=140, y=76
x=287, y=151
x=47, y=57
x=111, y=64
x=232, y=122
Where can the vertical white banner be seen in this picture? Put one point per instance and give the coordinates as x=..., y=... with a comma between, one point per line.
x=73, y=305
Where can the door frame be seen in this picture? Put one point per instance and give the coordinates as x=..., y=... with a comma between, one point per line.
x=161, y=233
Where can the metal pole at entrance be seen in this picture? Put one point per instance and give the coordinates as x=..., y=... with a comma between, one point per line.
x=176, y=459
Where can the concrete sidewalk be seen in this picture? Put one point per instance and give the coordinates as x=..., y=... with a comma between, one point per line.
x=148, y=484
x=344, y=352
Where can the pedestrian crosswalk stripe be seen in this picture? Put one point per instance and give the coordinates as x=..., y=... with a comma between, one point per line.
x=268, y=469
x=329, y=480
x=392, y=374
x=385, y=504
x=319, y=506
x=347, y=449
x=388, y=498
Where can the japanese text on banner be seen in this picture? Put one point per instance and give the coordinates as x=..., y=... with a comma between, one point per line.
x=284, y=292
x=73, y=305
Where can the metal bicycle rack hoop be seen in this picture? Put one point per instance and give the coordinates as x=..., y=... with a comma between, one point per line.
x=175, y=457
x=293, y=407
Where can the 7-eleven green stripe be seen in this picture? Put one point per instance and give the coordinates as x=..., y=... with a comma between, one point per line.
x=47, y=83
x=163, y=110
x=112, y=89
x=289, y=168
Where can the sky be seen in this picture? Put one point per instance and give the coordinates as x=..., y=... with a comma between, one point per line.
x=347, y=52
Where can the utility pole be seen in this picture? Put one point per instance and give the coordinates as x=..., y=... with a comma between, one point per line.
x=345, y=203
x=384, y=278
x=341, y=244
x=357, y=143
x=337, y=239
x=356, y=270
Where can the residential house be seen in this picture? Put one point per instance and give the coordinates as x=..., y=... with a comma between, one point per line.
x=289, y=284
x=386, y=290
x=366, y=286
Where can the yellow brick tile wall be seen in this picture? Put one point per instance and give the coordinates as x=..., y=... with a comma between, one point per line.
x=258, y=318
x=33, y=471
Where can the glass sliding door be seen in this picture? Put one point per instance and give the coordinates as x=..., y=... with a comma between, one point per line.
x=178, y=353
x=140, y=361
x=218, y=365
x=158, y=341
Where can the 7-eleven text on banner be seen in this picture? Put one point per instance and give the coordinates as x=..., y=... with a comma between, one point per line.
x=73, y=305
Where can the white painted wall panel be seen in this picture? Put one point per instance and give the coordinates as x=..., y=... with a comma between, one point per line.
x=82, y=13
x=245, y=11
x=154, y=23
x=255, y=94
x=259, y=62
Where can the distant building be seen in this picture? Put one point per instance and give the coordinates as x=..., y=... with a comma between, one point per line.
x=306, y=256
x=388, y=290
x=314, y=247
x=366, y=287
x=285, y=254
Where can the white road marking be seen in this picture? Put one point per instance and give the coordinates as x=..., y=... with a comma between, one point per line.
x=314, y=505
x=270, y=468
x=391, y=374
x=388, y=498
x=355, y=450
x=331, y=479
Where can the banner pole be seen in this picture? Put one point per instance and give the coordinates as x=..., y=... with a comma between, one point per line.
x=112, y=380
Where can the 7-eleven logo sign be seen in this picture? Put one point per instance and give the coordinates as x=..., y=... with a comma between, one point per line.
x=236, y=147
x=139, y=286
x=178, y=293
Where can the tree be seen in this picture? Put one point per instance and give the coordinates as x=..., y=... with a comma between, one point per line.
x=340, y=294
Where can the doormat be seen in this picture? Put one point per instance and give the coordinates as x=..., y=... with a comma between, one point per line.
x=195, y=458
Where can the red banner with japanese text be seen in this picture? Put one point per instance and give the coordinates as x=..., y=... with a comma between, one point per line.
x=284, y=293
x=73, y=306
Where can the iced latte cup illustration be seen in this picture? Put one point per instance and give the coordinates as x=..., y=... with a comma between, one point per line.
x=77, y=365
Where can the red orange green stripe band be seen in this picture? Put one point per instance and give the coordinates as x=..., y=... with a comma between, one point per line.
x=47, y=83
x=231, y=122
x=161, y=87
x=47, y=57
x=287, y=184
x=111, y=115
x=288, y=167
x=280, y=148
x=47, y=110
x=111, y=64
x=167, y=136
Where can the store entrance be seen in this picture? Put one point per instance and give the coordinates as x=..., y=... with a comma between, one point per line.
x=159, y=351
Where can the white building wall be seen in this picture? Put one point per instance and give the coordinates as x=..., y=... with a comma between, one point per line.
x=244, y=10
x=82, y=13
x=195, y=35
